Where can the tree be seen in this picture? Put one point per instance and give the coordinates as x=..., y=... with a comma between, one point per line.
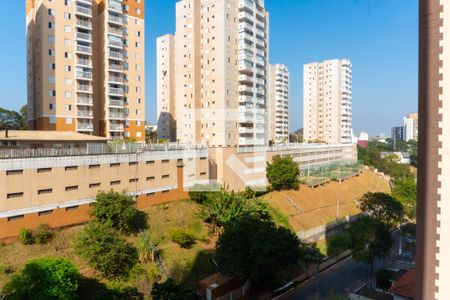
x=224, y=207
x=105, y=250
x=200, y=192
x=171, y=290
x=117, y=210
x=44, y=279
x=405, y=190
x=10, y=119
x=283, y=173
x=369, y=240
x=257, y=249
x=382, y=207
x=383, y=279
x=338, y=243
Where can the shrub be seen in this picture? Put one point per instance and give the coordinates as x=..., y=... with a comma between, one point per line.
x=171, y=290
x=25, y=236
x=42, y=279
x=199, y=193
x=283, y=173
x=181, y=236
x=106, y=251
x=117, y=210
x=43, y=234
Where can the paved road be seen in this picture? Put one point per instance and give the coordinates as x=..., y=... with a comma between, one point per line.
x=338, y=280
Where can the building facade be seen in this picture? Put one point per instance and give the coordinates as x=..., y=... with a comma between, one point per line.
x=327, y=101
x=85, y=66
x=397, y=135
x=433, y=182
x=411, y=124
x=220, y=72
x=165, y=88
x=278, y=107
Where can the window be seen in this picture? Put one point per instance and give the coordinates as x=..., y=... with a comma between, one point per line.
x=67, y=55
x=45, y=191
x=202, y=158
x=202, y=173
x=67, y=29
x=150, y=162
x=165, y=161
x=52, y=120
x=165, y=176
x=67, y=16
x=71, y=168
x=67, y=2
x=71, y=188
x=132, y=163
x=69, y=208
x=138, y=11
x=51, y=39
x=165, y=191
x=14, y=195
x=51, y=12
x=94, y=166
x=51, y=66
x=52, y=93
x=67, y=68
x=44, y=170
x=151, y=194
x=14, y=172
x=51, y=25
x=112, y=165
x=94, y=185
x=68, y=81
x=51, y=52
x=134, y=180
x=68, y=120
x=68, y=95
x=67, y=42
x=150, y=178
x=45, y=212
x=15, y=218
x=115, y=182
x=51, y=80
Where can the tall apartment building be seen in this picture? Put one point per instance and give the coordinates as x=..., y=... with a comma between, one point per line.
x=85, y=68
x=397, y=135
x=220, y=72
x=278, y=107
x=433, y=182
x=411, y=124
x=327, y=101
x=165, y=88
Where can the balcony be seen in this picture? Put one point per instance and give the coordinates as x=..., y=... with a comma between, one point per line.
x=84, y=24
x=83, y=126
x=249, y=130
x=245, y=26
x=116, y=79
x=116, y=115
x=245, y=88
x=245, y=15
x=85, y=114
x=115, y=31
x=84, y=36
x=260, y=33
x=118, y=44
x=117, y=103
x=84, y=49
x=84, y=11
x=115, y=127
x=116, y=67
x=245, y=35
x=84, y=75
x=84, y=101
x=84, y=62
x=246, y=99
x=84, y=88
x=246, y=78
x=115, y=19
x=116, y=91
x=116, y=55
x=245, y=68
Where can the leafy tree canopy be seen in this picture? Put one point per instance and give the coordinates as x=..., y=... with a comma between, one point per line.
x=283, y=173
x=44, y=279
x=257, y=249
x=171, y=290
x=405, y=190
x=118, y=211
x=10, y=119
x=105, y=250
x=382, y=207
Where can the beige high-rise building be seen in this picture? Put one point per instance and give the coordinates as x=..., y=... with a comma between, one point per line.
x=86, y=65
x=220, y=72
x=411, y=124
x=278, y=108
x=165, y=88
x=327, y=101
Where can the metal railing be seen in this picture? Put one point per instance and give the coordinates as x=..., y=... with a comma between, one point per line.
x=116, y=91
x=116, y=102
x=84, y=62
x=116, y=67
x=84, y=100
x=84, y=10
x=117, y=55
x=115, y=126
x=85, y=88
x=84, y=49
x=87, y=75
x=115, y=19
x=85, y=113
x=84, y=23
x=84, y=36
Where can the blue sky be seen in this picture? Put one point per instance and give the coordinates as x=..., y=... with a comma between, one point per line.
x=379, y=36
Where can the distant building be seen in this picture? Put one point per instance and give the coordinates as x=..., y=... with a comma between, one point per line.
x=327, y=105
x=402, y=157
x=363, y=139
x=411, y=124
x=278, y=108
x=397, y=134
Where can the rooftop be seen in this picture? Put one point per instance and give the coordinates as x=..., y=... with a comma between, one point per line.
x=41, y=135
x=405, y=286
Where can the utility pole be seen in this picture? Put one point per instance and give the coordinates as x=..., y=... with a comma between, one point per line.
x=337, y=209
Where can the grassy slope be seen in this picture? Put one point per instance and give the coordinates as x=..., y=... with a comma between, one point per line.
x=318, y=205
x=191, y=264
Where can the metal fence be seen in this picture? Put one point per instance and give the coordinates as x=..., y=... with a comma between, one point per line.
x=315, y=234
x=96, y=149
x=316, y=175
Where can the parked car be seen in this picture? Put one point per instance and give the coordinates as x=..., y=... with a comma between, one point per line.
x=284, y=289
x=410, y=239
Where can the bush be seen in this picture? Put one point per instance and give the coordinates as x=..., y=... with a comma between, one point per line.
x=43, y=234
x=44, y=279
x=283, y=173
x=199, y=193
x=106, y=251
x=182, y=236
x=26, y=237
x=117, y=210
